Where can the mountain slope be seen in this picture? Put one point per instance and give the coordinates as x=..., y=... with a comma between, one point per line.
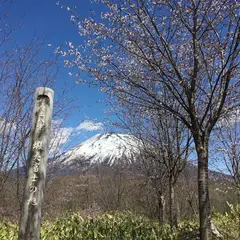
x=107, y=149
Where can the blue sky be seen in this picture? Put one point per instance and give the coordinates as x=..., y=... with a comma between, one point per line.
x=46, y=19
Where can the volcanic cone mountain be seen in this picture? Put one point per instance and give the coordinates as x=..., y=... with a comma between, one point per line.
x=102, y=149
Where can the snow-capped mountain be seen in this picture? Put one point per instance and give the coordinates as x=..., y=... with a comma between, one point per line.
x=106, y=149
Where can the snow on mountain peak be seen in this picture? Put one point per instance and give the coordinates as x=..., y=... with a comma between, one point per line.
x=108, y=148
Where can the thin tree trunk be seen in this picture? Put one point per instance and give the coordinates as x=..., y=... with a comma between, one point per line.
x=171, y=203
x=203, y=191
x=161, y=207
x=178, y=214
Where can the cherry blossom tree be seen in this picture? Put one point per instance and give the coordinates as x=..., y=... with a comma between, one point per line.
x=227, y=143
x=6, y=28
x=137, y=48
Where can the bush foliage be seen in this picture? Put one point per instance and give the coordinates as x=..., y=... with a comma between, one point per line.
x=228, y=223
x=126, y=226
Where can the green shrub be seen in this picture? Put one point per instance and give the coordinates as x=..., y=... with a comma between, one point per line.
x=126, y=226
x=119, y=226
x=228, y=223
x=8, y=231
x=188, y=230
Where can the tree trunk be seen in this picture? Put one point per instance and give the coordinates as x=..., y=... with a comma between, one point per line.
x=203, y=191
x=171, y=203
x=161, y=207
x=178, y=214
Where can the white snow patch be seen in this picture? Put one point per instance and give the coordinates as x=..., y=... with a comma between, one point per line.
x=109, y=147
